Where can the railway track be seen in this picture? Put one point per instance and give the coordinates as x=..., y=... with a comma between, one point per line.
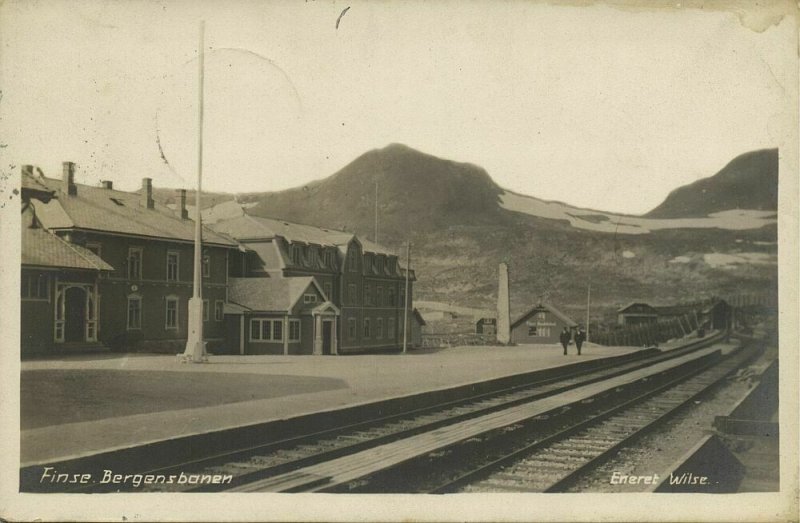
x=253, y=466
x=554, y=462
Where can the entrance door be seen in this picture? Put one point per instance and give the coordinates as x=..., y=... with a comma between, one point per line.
x=327, y=336
x=74, y=314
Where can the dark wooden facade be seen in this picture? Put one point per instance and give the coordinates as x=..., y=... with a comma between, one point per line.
x=141, y=299
x=540, y=325
x=362, y=280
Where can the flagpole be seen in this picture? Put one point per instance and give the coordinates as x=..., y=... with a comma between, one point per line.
x=195, y=346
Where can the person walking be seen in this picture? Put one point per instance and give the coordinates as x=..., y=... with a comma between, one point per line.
x=564, y=337
x=580, y=337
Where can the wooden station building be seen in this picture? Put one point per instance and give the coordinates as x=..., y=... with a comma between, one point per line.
x=541, y=325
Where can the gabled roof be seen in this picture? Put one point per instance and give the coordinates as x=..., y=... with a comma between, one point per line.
x=555, y=312
x=247, y=227
x=41, y=248
x=631, y=304
x=108, y=210
x=270, y=294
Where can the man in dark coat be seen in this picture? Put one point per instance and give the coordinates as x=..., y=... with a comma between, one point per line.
x=564, y=337
x=580, y=337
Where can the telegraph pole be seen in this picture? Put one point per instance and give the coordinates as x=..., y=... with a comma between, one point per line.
x=588, y=301
x=405, y=307
x=376, y=211
x=195, y=346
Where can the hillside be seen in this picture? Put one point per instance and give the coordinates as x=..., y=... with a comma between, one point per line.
x=749, y=181
x=462, y=225
x=416, y=192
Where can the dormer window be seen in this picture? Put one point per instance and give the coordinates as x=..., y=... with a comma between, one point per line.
x=297, y=254
x=392, y=265
x=328, y=258
x=312, y=255
x=379, y=264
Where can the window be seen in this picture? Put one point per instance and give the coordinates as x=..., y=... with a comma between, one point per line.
x=379, y=264
x=541, y=316
x=134, y=312
x=327, y=287
x=352, y=294
x=379, y=328
x=35, y=287
x=135, y=263
x=392, y=265
x=367, y=294
x=219, y=310
x=172, y=265
x=266, y=330
x=312, y=255
x=352, y=259
x=171, y=321
x=294, y=330
x=379, y=296
x=390, y=297
x=390, y=328
x=351, y=328
x=96, y=248
x=297, y=254
x=366, y=328
x=367, y=263
x=402, y=298
x=205, y=310
x=327, y=257
x=206, y=266
x=309, y=298
x=538, y=330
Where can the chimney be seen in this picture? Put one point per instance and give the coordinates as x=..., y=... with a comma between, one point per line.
x=184, y=211
x=68, y=179
x=503, y=307
x=107, y=184
x=147, y=193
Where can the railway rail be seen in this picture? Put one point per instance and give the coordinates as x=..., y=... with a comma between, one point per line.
x=283, y=465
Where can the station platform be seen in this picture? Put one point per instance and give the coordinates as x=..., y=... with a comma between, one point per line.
x=87, y=404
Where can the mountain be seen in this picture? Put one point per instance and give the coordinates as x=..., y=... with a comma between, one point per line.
x=461, y=225
x=415, y=191
x=749, y=181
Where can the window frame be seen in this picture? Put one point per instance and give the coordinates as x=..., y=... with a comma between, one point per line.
x=367, y=294
x=177, y=255
x=294, y=323
x=219, y=310
x=264, y=321
x=352, y=328
x=379, y=329
x=206, y=312
x=167, y=301
x=390, y=333
x=366, y=332
x=140, y=266
x=309, y=298
x=327, y=288
x=26, y=281
x=205, y=264
x=134, y=298
x=352, y=294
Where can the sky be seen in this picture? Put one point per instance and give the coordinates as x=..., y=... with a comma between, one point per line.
x=601, y=107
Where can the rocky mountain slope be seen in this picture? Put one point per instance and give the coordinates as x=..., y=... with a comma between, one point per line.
x=461, y=224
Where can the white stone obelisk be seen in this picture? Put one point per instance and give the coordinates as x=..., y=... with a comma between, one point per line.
x=503, y=307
